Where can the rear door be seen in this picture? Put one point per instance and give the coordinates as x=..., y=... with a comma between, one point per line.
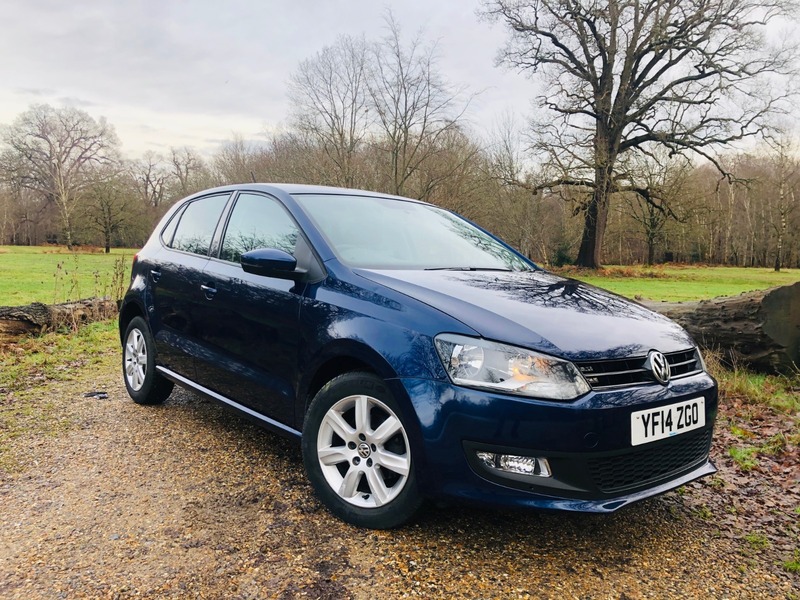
x=175, y=281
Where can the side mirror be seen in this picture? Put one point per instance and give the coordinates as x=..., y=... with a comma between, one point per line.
x=271, y=262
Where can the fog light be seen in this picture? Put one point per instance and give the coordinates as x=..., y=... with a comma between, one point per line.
x=510, y=463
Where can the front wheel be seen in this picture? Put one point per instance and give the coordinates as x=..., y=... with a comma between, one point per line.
x=144, y=384
x=357, y=453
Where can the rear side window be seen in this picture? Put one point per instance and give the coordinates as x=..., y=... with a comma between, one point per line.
x=169, y=230
x=196, y=227
x=258, y=222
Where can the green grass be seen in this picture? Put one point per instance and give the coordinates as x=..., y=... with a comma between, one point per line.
x=704, y=512
x=676, y=283
x=52, y=274
x=778, y=392
x=793, y=566
x=754, y=392
x=57, y=357
x=745, y=458
x=757, y=541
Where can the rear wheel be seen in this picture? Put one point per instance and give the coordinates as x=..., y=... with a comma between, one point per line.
x=357, y=453
x=145, y=385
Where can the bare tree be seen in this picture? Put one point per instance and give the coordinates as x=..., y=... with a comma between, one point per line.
x=506, y=153
x=57, y=152
x=25, y=213
x=151, y=178
x=108, y=207
x=414, y=107
x=189, y=170
x=519, y=218
x=242, y=161
x=624, y=76
x=5, y=214
x=785, y=172
x=663, y=179
x=330, y=103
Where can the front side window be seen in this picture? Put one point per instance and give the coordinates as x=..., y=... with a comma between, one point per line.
x=258, y=222
x=197, y=224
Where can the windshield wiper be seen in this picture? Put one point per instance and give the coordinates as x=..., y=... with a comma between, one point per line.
x=503, y=269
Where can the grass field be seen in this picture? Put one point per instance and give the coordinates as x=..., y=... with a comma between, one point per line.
x=49, y=274
x=52, y=274
x=677, y=283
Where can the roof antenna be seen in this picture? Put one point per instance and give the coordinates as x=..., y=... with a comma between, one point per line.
x=253, y=175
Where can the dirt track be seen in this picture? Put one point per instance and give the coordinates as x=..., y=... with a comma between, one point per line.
x=186, y=500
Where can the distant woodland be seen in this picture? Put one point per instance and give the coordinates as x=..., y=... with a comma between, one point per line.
x=379, y=115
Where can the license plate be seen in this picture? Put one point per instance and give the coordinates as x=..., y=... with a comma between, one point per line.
x=666, y=421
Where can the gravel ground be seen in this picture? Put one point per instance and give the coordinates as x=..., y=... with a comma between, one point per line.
x=186, y=500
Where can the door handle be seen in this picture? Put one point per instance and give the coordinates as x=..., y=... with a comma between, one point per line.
x=208, y=290
x=155, y=275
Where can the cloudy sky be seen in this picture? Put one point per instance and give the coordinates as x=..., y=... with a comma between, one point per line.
x=196, y=72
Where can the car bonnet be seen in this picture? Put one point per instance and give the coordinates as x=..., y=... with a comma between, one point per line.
x=541, y=311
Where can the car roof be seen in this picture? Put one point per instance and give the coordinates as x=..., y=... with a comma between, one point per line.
x=302, y=188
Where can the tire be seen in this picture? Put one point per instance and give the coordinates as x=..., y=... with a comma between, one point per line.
x=145, y=385
x=357, y=453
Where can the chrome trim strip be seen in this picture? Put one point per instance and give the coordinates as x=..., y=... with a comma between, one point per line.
x=220, y=398
x=633, y=383
x=610, y=373
x=680, y=364
x=638, y=371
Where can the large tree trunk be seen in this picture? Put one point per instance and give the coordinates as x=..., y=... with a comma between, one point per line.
x=759, y=330
x=38, y=318
x=651, y=250
x=594, y=227
x=596, y=212
x=589, y=251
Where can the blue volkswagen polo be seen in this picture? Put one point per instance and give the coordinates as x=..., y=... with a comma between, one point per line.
x=413, y=354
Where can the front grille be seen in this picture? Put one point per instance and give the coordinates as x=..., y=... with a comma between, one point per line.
x=613, y=474
x=631, y=371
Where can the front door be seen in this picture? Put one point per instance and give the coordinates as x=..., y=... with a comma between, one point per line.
x=249, y=323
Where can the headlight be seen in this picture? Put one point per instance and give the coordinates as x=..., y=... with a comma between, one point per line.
x=483, y=364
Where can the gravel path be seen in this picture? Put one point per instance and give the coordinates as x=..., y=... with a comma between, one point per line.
x=186, y=500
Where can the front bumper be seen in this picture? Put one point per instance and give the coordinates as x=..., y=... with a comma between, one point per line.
x=586, y=442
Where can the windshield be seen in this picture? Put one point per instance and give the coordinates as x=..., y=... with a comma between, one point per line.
x=381, y=233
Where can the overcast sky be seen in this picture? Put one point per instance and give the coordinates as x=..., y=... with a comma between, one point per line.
x=196, y=72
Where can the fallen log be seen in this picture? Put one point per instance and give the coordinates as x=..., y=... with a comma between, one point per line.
x=759, y=330
x=37, y=318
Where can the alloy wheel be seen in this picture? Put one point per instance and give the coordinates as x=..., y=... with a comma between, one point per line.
x=135, y=359
x=363, y=451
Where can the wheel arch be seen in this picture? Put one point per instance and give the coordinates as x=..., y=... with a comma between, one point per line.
x=338, y=358
x=346, y=356
x=127, y=312
x=341, y=448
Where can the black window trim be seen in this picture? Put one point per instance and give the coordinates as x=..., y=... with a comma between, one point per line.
x=175, y=218
x=179, y=215
x=219, y=235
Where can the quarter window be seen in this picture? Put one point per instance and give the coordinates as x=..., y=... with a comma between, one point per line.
x=258, y=222
x=169, y=230
x=198, y=222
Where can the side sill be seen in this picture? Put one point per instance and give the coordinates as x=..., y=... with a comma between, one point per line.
x=248, y=412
